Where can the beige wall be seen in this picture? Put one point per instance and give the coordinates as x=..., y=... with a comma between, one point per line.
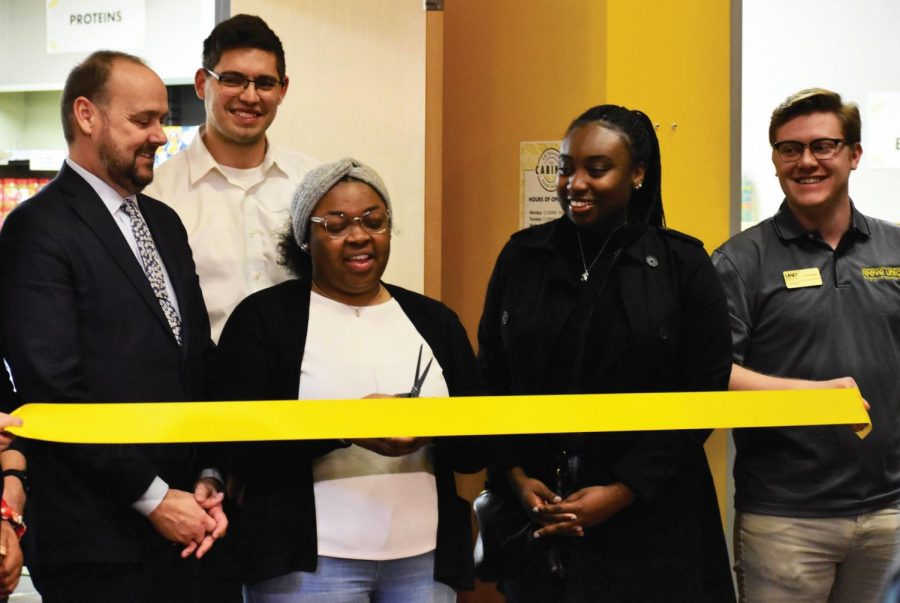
x=357, y=71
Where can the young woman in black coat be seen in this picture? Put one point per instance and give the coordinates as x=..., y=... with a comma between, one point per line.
x=607, y=300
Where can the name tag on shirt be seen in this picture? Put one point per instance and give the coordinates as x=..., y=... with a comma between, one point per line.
x=806, y=277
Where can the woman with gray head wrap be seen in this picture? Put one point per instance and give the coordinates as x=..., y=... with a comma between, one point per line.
x=373, y=518
x=319, y=181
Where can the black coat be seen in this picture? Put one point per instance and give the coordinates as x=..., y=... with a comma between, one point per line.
x=80, y=323
x=665, y=328
x=259, y=357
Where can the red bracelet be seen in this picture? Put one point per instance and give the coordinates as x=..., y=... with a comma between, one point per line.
x=9, y=514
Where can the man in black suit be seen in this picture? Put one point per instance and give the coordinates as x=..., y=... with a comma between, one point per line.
x=100, y=301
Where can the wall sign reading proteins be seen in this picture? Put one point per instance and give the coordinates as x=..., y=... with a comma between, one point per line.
x=77, y=25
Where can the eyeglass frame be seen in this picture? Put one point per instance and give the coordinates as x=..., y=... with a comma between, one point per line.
x=808, y=145
x=354, y=221
x=247, y=81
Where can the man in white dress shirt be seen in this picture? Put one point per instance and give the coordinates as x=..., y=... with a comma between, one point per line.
x=231, y=186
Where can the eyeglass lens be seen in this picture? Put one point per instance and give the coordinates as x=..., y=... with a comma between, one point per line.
x=821, y=148
x=373, y=221
x=231, y=79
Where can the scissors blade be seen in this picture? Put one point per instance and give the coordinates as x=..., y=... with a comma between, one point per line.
x=418, y=365
x=421, y=381
x=418, y=381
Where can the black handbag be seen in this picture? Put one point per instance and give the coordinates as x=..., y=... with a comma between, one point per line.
x=506, y=542
x=504, y=536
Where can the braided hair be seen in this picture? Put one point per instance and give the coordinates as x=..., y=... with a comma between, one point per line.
x=637, y=131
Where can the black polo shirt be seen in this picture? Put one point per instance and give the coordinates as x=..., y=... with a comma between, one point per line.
x=849, y=325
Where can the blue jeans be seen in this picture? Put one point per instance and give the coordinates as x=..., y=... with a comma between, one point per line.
x=406, y=580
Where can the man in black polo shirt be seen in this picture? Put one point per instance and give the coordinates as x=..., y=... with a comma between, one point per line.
x=814, y=298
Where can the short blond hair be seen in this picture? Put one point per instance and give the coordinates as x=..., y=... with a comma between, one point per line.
x=818, y=100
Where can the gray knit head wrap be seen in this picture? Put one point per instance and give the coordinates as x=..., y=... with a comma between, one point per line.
x=321, y=180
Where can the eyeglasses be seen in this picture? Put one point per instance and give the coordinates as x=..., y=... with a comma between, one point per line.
x=234, y=80
x=821, y=148
x=337, y=226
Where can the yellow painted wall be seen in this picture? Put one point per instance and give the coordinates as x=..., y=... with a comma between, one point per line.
x=672, y=62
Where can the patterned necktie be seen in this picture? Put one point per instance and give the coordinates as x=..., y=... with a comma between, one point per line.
x=152, y=264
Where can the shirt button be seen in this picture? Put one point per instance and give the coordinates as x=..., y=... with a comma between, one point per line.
x=663, y=332
x=652, y=261
x=253, y=234
x=256, y=276
x=504, y=318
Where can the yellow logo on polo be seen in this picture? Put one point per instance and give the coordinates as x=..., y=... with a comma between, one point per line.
x=881, y=273
x=802, y=277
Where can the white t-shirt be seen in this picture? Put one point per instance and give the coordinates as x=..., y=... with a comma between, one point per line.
x=369, y=506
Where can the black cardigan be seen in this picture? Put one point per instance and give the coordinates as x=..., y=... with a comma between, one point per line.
x=259, y=358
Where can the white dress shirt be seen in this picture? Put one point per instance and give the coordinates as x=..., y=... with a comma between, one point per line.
x=233, y=219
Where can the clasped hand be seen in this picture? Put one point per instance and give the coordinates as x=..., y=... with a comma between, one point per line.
x=193, y=520
x=570, y=516
x=6, y=420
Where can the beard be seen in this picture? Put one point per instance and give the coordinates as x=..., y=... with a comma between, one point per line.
x=123, y=170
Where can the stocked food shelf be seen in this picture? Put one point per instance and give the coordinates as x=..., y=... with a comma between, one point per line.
x=15, y=190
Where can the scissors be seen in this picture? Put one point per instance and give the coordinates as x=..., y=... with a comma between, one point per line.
x=417, y=381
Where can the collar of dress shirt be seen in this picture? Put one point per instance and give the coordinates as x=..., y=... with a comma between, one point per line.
x=201, y=162
x=111, y=199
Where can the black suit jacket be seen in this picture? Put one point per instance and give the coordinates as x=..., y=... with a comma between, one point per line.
x=80, y=323
x=7, y=395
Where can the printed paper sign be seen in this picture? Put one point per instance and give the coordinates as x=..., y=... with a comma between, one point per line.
x=85, y=25
x=538, y=162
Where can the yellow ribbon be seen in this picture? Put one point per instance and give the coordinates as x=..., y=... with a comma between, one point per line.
x=153, y=422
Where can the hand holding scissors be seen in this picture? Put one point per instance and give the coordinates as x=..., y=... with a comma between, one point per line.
x=400, y=446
